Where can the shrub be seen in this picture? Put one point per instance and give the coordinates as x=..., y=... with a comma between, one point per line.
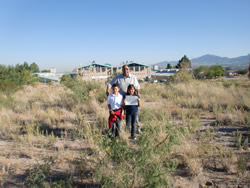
x=83, y=91
x=40, y=175
x=180, y=77
x=11, y=78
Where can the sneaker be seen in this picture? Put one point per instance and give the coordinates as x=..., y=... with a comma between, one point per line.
x=133, y=137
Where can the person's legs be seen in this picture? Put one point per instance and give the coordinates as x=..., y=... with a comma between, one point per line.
x=128, y=120
x=134, y=117
x=137, y=123
x=117, y=128
x=112, y=129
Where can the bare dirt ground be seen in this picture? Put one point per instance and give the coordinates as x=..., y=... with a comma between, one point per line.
x=215, y=174
x=18, y=158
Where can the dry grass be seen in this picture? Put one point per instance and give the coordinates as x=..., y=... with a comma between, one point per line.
x=46, y=119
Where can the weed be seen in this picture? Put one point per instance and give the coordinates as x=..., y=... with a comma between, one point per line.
x=245, y=144
x=242, y=165
x=40, y=175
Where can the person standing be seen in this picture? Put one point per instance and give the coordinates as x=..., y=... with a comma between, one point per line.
x=116, y=114
x=131, y=109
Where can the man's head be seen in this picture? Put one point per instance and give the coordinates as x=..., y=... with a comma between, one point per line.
x=125, y=70
x=115, y=88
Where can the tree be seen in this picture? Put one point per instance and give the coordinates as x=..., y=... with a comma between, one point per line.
x=169, y=66
x=34, y=67
x=13, y=77
x=242, y=71
x=184, y=63
x=215, y=71
x=201, y=72
x=45, y=70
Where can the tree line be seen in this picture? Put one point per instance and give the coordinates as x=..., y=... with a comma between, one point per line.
x=13, y=77
x=203, y=72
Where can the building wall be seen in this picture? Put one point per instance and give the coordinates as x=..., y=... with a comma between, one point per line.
x=139, y=71
x=91, y=73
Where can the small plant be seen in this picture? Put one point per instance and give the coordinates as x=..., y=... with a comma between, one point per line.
x=40, y=176
x=242, y=165
x=238, y=138
x=245, y=144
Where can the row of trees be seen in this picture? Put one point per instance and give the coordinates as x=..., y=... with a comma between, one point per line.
x=202, y=72
x=12, y=77
x=213, y=71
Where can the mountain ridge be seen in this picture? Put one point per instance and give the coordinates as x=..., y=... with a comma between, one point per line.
x=240, y=62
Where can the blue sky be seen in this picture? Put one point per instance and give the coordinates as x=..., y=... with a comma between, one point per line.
x=64, y=34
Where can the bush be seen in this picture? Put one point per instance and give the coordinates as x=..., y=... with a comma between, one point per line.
x=215, y=71
x=201, y=72
x=12, y=78
x=180, y=77
x=83, y=91
x=40, y=175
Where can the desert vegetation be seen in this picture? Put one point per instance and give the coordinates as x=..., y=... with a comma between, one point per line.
x=195, y=133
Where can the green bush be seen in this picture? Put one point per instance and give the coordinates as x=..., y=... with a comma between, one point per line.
x=215, y=71
x=145, y=163
x=180, y=77
x=83, y=91
x=40, y=176
x=12, y=78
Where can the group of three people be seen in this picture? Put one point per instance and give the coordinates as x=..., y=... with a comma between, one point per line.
x=125, y=88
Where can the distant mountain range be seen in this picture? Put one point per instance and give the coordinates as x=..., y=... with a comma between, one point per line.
x=208, y=60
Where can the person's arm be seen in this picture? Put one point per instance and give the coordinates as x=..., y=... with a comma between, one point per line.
x=137, y=92
x=108, y=90
x=139, y=102
x=110, y=110
x=137, y=86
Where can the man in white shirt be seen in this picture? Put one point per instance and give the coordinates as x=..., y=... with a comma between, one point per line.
x=123, y=80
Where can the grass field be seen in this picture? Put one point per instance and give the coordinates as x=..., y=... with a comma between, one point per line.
x=195, y=133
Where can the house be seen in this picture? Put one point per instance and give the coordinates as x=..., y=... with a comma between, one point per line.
x=95, y=71
x=230, y=73
x=139, y=70
x=163, y=74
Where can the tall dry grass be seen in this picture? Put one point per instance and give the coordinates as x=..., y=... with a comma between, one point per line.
x=51, y=118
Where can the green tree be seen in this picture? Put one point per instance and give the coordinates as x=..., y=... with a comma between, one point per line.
x=215, y=71
x=34, y=67
x=201, y=72
x=184, y=63
x=242, y=71
x=12, y=77
x=169, y=66
x=45, y=70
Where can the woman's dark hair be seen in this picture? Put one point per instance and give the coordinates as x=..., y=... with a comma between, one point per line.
x=130, y=86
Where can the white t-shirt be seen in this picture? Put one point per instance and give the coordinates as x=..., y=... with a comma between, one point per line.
x=114, y=101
